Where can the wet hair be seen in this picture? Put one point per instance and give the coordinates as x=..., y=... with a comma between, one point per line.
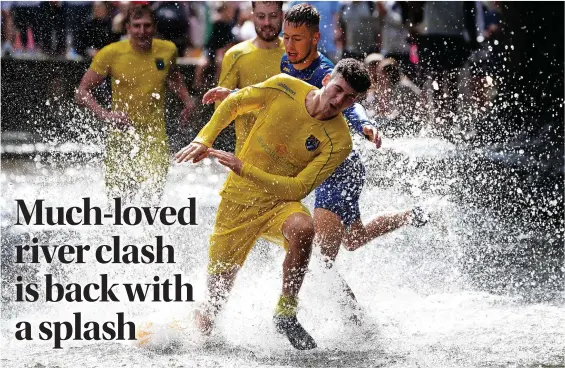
x=391, y=70
x=303, y=14
x=139, y=11
x=355, y=73
x=278, y=3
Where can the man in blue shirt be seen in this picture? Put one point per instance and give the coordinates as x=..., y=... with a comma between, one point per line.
x=329, y=13
x=337, y=219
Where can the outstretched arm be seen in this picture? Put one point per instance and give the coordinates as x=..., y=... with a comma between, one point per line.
x=245, y=100
x=286, y=187
x=357, y=119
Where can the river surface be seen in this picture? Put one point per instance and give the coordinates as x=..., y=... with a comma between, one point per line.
x=480, y=286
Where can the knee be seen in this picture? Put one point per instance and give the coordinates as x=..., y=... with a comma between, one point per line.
x=300, y=230
x=305, y=232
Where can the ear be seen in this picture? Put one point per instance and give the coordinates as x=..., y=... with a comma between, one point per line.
x=326, y=79
x=316, y=38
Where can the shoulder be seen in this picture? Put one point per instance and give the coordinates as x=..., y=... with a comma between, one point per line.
x=338, y=133
x=286, y=84
x=287, y=79
x=236, y=51
x=326, y=65
x=108, y=55
x=164, y=45
x=115, y=47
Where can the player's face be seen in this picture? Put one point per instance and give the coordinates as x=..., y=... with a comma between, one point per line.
x=338, y=95
x=141, y=32
x=300, y=43
x=267, y=18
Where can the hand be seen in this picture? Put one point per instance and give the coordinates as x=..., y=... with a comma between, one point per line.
x=185, y=113
x=215, y=94
x=372, y=134
x=119, y=119
x=227, y=159
x=194, y=151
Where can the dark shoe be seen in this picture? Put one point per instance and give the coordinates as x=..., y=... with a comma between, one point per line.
x=419, y=217
x=295, y=333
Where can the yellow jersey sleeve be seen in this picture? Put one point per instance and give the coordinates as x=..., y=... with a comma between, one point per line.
x=102, y=60
x=241, y=102
x=229, y=75
x=296, y=188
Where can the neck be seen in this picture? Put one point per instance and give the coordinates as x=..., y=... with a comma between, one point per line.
x=308, y=61
x=137, y=48
x=267, y=45
x=314, y=106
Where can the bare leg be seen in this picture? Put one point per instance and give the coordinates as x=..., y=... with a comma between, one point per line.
x=298, y=230
x=358, y=234
x=219, y=287
x=329, y=235
x=329, y=232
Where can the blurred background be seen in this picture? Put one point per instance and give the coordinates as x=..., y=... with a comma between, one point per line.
x=477, y=71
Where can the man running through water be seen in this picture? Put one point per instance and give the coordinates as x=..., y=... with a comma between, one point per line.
x=297, y=141
x=337, y=217
x=137, y=151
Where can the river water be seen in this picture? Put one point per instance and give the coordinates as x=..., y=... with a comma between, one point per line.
x=480, y=286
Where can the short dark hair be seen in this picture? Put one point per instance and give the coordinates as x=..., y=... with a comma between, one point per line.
x=303, y=14
x=355, y=74
x=278, y=3
x=138, y=11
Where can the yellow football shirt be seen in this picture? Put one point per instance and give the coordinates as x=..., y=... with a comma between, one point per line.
x=138, y=88
x=288, y=153
x=138, y=80
x=244, y=65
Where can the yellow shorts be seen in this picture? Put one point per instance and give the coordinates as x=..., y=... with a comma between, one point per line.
x=136, y=164
x=239, y=226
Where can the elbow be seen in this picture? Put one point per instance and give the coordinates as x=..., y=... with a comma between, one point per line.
x=295, y=195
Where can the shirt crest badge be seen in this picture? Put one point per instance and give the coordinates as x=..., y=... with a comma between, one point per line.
x=312, y=143
x=160, y=64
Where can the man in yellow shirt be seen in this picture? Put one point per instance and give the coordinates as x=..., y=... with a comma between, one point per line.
x=297, y=141
x=254, y=61
x=137, y=158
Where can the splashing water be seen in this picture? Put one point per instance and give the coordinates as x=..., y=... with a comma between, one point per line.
x=480, y=285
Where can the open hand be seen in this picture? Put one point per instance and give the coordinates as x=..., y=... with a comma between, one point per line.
x=216, y=94
x=227, y=159
x=118, y=119
x=194, y=151
x=372, y=134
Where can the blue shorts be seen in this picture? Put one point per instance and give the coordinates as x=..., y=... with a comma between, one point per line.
x=341, y=191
